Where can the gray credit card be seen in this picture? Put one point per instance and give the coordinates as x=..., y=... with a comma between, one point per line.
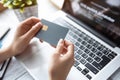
x=51, y=32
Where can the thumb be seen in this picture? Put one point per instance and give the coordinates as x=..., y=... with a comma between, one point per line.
x=60, y=46
x=30, y=34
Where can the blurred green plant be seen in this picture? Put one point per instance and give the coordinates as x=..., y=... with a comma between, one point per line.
x=18, y=4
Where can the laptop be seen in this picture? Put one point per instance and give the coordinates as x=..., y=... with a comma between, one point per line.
x=94, y=28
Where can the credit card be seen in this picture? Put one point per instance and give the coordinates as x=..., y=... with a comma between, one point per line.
x=51, y=32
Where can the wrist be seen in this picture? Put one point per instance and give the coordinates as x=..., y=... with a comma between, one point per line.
x=10, y=51
x=13, y=49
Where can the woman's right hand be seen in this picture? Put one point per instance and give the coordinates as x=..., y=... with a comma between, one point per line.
x=62, y=60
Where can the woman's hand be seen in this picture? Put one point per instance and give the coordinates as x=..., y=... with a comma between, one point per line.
x=24, y=33
x=62, y=60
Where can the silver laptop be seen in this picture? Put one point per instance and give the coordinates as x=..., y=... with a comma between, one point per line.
x=94, y=28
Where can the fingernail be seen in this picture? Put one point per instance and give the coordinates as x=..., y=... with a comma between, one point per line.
x=38, y=24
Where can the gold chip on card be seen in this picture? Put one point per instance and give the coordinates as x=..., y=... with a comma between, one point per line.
x=45, y=28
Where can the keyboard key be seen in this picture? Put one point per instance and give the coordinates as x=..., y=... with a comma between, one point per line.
x=82, y=47
x=99, y=54
x=105, y=52
x=68, y=38
x=75, y=53
x=87, y=51
x=75, y=48
x=94, y=50
x=88, y=76
x=76, y=63
x=84, y=56
x=105, y=61
x=88, y=46
x=85, y=71
x=92, y=55
x=91, y=41
x=80, y=69
x=77, y=44
x=83, y=61
x=97, y=59
x=83, y=43
x=75, y=36
x=77, y=57
x=113, y=53
x=71, y=33
x=72, y=40
x=89, y=59
x=111, y=56
x=86, y=38
x=91, y=68
x=79, y=40
x=80, y=52
x=77, y=31
x=95, y=44
x=100, y=48
x=97, y=65
x=81, y=35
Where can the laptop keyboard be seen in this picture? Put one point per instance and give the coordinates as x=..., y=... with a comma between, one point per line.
x=90, y=55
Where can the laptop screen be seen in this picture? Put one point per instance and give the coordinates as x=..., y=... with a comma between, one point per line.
x=101, y=15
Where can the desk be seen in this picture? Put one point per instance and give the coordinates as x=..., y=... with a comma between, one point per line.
x=16, y=71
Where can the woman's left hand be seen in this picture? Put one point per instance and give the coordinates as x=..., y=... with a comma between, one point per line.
x=24, y=33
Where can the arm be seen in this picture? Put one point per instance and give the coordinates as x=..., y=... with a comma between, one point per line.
x=5, y=54
x=24, y=33
x=62, y=60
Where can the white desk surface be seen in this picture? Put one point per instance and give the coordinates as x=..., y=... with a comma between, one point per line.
x=16, y=71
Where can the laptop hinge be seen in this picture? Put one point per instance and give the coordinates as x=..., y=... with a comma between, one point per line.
x=92, y=31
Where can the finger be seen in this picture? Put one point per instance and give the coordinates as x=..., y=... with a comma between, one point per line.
x=30, y=21
x=67, y=43
x=30, y=34
x=70, y=49
x=60, y=46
